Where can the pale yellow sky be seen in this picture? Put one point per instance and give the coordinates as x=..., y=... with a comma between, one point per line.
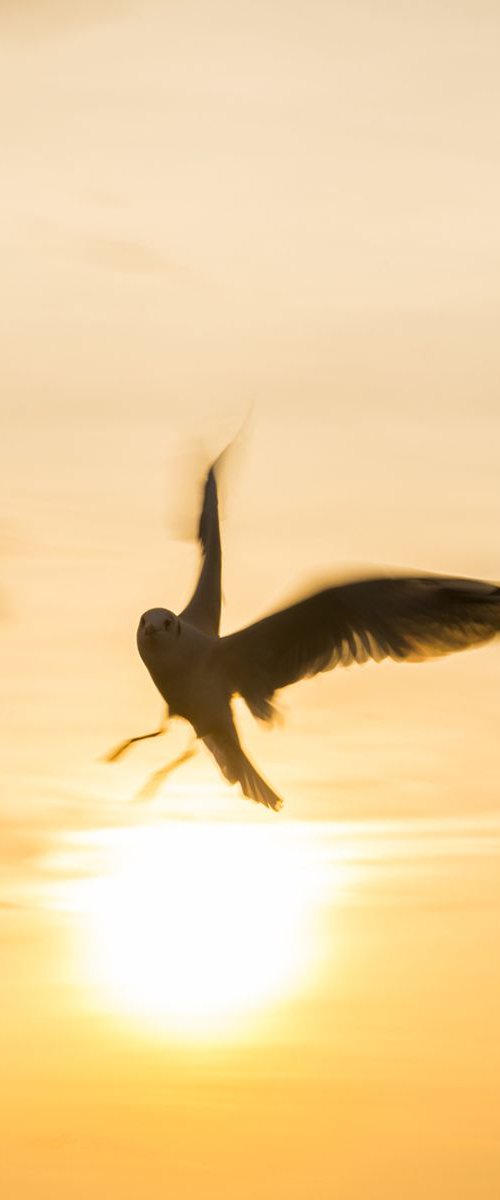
x=228, y=169
x=295, y=207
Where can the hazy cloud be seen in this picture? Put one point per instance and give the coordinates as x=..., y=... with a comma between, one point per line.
x=31, y=19
x=125, y=254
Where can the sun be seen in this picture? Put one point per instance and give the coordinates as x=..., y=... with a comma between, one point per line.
x=194, y=927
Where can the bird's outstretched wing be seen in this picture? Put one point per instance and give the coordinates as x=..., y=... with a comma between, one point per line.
x=400, y=618
x=204, y=607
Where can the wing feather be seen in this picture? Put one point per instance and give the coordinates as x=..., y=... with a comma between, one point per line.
x=204, y=608
x=403, y=618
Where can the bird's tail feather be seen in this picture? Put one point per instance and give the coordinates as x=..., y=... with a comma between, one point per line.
x=237, y=768
x=255, y=787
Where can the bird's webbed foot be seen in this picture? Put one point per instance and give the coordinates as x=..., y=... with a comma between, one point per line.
x=117, y=751
x=151, y=786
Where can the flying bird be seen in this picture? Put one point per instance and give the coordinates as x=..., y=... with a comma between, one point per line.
x=198, y=672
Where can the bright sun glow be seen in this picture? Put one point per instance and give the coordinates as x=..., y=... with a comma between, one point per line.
x=194, y=927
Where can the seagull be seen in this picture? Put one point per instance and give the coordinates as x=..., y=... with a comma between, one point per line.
x=198, y=672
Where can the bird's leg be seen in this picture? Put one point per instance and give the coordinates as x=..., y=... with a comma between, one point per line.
x=149, y=789
x=123, y=746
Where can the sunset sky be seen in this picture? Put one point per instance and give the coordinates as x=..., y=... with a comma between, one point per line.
x=210, y=210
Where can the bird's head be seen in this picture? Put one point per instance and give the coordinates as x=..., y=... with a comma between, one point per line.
x=157, y=630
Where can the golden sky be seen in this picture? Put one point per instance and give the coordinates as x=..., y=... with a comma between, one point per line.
x=207, y=207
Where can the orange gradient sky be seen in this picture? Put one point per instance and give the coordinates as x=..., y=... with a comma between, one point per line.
x=207, y=208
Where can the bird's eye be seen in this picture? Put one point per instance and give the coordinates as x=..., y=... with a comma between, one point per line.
x=167, y=623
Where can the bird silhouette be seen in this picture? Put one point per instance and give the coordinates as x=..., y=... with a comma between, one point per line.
x=198, y=672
